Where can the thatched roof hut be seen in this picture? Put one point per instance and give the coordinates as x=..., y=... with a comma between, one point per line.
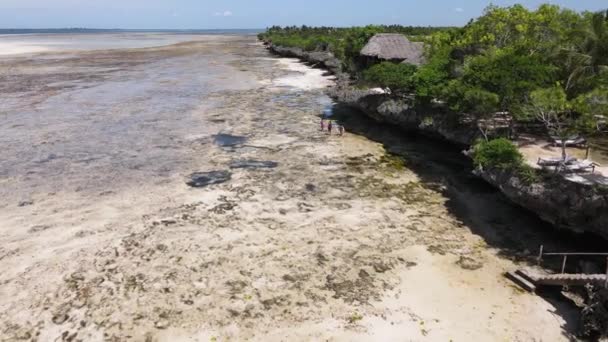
x=394, y=47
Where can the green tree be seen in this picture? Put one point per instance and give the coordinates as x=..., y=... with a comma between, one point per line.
x=498, y=27
x=483, y=105
x=517, y=27
x=593, y=108
x=508, y=74
x=589, y=59
x=552, y=108
x=430, y=77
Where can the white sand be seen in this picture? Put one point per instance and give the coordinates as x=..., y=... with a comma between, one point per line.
x=304, y=78
x=539, y=148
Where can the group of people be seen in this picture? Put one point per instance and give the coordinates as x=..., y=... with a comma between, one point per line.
x=331, y=125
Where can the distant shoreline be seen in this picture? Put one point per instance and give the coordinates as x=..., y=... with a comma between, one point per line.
x=28, y=42
x=89, y=31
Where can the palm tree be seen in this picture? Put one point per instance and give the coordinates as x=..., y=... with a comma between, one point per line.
x=590, y=58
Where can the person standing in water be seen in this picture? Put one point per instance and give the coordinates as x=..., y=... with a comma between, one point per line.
x=341, y=130
x=330, y=126
x=322, y=124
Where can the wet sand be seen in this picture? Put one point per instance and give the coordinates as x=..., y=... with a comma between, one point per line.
x=27, y=44
x=308, y=237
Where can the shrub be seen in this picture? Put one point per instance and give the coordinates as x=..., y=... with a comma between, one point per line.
x=394, y=76
x=498, y=153
x=503, y=155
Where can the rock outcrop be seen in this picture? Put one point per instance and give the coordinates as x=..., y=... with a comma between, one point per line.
x=433, y=120
x=567, y=205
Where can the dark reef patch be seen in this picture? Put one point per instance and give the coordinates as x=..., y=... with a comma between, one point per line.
x=203, y=179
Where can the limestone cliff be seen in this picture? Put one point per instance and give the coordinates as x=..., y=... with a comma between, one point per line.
x=565, y=204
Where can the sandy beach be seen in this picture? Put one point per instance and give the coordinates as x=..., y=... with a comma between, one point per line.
x=534, y=148
x=304, y=237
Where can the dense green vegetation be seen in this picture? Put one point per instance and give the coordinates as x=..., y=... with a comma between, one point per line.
x=548, y=65
x=513, y=52
x=506, y=60
x=344, y=43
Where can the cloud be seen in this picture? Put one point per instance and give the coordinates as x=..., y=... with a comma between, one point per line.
x=459, y=9
x=223, y=14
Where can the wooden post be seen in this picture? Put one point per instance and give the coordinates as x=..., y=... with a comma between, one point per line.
x=606, y=282
x=564, y=264
x=587, y=152
x=540, y=255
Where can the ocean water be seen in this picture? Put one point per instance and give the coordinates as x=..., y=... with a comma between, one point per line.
x=79, y=120
x=14, y=42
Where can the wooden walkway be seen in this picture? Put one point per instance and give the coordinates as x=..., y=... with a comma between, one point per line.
x=530, y=281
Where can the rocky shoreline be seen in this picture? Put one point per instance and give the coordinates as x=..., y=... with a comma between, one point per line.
x=577, y=207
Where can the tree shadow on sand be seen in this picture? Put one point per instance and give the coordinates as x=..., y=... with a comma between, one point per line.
x=516, y=232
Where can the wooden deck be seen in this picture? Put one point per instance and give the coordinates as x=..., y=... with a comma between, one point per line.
x=530, y=281
x=563, y=279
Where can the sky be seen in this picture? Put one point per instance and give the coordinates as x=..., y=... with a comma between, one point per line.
x=250, y=14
